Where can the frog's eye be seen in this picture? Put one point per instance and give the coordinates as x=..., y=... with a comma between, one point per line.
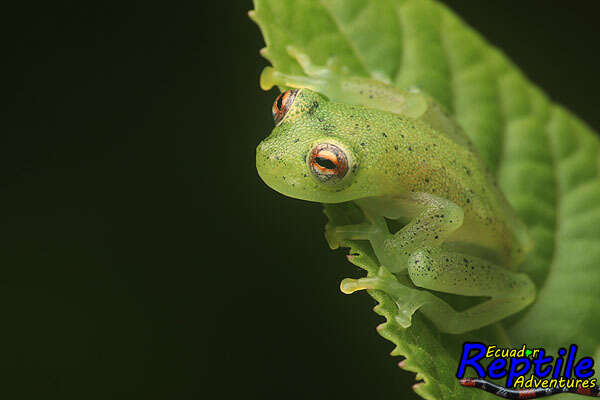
x=328, y=162
x=282, y=104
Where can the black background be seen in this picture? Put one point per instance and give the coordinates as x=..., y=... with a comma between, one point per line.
x=140, y=254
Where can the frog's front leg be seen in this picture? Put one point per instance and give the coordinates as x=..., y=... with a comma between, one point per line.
x=374, y=230
x=434, y=224
x=333, y=82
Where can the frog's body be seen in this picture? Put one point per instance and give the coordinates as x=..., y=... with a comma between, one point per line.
x=399, y=156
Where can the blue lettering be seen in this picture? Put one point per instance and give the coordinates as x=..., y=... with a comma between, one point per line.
x=559, y=363
x=496, y=369
x=569, y=366
x=467, y=361
x=539, y=362
x=515, y=371
x=582, y=365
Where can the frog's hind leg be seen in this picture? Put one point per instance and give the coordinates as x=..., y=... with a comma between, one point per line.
x=451, y=273
x=465, y=275
x=418, y=248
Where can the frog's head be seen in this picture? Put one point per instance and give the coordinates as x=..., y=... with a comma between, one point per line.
x=302, y=157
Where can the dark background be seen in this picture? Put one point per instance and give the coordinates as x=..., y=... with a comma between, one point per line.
x=140, y=254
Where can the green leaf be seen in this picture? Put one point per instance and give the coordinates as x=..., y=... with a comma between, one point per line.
x=545, y=159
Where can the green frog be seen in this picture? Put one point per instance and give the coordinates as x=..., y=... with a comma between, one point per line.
x=403, y=160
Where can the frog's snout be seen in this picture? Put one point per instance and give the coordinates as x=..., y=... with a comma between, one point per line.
x=266, y=162
x=277, y=169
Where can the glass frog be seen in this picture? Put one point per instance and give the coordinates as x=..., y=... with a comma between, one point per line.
x=400, y=157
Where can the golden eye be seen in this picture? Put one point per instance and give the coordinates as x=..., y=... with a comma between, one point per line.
x=328, y=162
x=282, y=104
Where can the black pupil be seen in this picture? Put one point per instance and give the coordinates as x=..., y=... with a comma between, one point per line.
x=325, y=163
x=279, y=100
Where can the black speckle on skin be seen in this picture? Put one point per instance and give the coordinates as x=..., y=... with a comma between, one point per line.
x=305, y=175
x=426, y=180
x=362, y=144
x=383, y=134
x=409, y=148
x=396, y=147
x=370, y=96
x=296, y=140
x=354, y=168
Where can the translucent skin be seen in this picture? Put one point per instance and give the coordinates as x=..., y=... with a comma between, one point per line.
x=408, y=161
x=393, y=157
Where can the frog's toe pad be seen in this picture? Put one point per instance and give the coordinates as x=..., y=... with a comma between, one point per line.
x=404, y=318
x=267, y=78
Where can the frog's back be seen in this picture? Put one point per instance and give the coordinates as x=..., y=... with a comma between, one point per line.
x=455, y=171
x=491, y=225
x=412, y=156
